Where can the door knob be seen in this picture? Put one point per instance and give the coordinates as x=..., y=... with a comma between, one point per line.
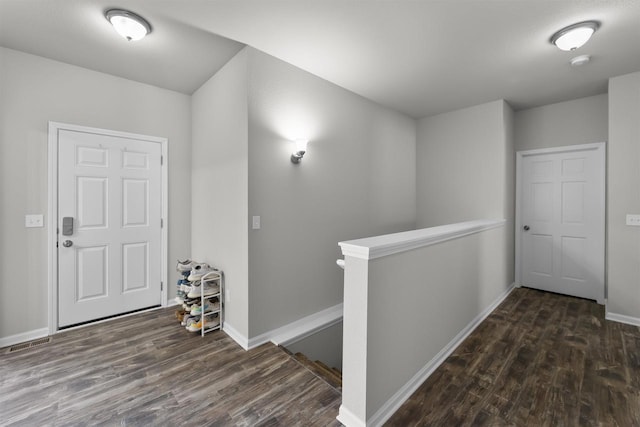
x=67, y=243
x=526, y=228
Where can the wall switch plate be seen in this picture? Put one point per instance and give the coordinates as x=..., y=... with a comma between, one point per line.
x=31, y=221
x=633, y=220
x=255, y=223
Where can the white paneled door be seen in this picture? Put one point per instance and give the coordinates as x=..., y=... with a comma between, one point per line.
x=109, y=225
x=561, y=220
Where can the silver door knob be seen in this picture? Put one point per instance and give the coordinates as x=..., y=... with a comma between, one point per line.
x=67, y=243
x=526, y=228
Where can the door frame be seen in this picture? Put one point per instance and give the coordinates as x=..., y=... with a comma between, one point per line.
x=52, y=211
x=601, y=149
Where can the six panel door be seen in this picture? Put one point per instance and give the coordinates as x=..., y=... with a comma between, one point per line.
x=110, y=263
x=563, y=222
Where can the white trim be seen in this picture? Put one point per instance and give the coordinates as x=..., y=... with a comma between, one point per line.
x=24, y=337
x=291, y=332
x=563, y=149
x=520, y=155
x=396, y=401
x=52, y=211
x=389, y=244
x=240, y=339
x=635, y=321
x=300, y=329
x=348, y=418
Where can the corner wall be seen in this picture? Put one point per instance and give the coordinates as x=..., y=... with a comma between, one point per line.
x=356, y=180
x=623, y=197
x=219, y=234
x=465, y=165
x=34, y=91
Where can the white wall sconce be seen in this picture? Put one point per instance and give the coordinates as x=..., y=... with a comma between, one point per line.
x=301, y=148
x=128, y=24
x=574, y=36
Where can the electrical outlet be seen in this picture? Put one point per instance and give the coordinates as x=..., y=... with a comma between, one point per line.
x=255, y=223
x=633, y=220
x=31, y=221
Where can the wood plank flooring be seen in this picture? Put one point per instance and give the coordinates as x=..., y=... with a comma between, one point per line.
x=147, y=370
x=539, y=359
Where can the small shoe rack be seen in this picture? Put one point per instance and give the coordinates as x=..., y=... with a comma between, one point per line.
x=211, y=302
x=202, y=313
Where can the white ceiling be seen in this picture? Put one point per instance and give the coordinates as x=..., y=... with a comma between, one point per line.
x=419, y=57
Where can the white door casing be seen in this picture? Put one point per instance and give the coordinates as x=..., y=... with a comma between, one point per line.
x=560, y=220
x=111, y=184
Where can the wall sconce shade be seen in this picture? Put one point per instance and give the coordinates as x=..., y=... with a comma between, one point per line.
x=301, y=148
x=574, y=36
x=128, y=24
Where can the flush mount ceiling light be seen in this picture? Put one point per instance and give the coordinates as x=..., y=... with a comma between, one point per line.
x=574, y=36
x=128, y=24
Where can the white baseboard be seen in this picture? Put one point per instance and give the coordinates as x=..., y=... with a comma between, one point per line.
x=24, y=337
x=394, y=403
x=622, y=319
x=292, y=332
x=240, y=339
x=348, y=418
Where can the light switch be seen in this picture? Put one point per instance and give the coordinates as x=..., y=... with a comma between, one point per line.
x=31, y=221
x=633, y=220
x=255, y=223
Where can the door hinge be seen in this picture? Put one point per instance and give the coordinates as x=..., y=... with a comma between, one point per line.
x=161, y=286
x=161, y=222
x=161, y=160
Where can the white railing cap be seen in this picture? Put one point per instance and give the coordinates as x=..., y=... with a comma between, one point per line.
x=389, y=244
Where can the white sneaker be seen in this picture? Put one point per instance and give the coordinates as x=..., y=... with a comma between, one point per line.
x=185, y=265
x=199, y=270
x=197, y=291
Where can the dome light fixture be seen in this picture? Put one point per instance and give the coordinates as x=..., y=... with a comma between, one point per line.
x=572, y=37
x=128, y=24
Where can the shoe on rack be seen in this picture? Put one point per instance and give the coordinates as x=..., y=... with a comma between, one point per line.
x=184, y=266
x=188, y=319
x=208, y=306
x=208, y=323
x=214, y=304
x=194, y=324
x=197, y=291
x=200, y=270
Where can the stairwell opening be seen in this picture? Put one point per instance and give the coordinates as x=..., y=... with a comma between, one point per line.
x=321, y=353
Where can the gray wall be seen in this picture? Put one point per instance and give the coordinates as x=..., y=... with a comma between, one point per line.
x=623, y=196
x=580, y=121
x=465, y=165
x=34, y=91
x=325, y=346
x=219, y=232
x=356, y=180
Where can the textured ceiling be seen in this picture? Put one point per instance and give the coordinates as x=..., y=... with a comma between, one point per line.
x=419, y=57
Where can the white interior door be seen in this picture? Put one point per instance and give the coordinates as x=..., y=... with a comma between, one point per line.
x=561, y=220
x=110, y=262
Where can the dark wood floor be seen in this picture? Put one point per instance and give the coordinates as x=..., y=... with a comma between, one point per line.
x=539, y=359
x=147, y=370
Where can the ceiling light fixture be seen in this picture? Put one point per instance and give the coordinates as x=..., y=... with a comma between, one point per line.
x=128, y=24
x=574, y=36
